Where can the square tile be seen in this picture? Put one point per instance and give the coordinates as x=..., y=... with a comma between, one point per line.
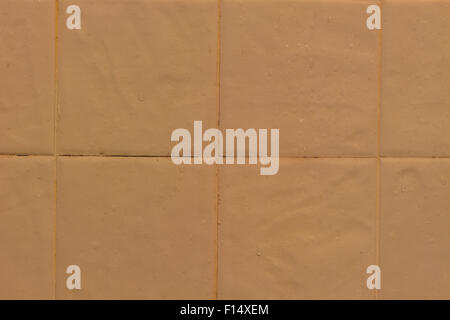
x=415, y=229
x=139, y=228
x=308, y=68
x=27, y=61
x=27, y=197
x=133, y=73
x=416, y=78
x=306, y=233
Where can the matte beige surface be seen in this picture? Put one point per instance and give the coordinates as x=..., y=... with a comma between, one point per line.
x=309, y=68
x=26, y=76
x=416, y=78
x=144, y=228
x=305, y=233
x=139, y=228
x=27, y=199
x=415, y=229
x=135, y=71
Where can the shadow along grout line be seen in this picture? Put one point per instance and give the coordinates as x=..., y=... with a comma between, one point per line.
x=218, y=62
x=55, y=154
x=282, y=157
x=378, y=169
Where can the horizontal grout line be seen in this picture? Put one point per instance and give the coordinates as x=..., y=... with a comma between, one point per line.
x=113, y=155
x=25, y=155
x=165, y=156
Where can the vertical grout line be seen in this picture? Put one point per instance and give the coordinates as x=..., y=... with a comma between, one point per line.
x=378, y=178
x=216, y=271
x=55, y=115
x=218, y=61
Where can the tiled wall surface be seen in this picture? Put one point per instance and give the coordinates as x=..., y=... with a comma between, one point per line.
x=86, y=177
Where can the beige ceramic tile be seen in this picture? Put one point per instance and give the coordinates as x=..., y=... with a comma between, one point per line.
x=415, y=229
x=27, y=198
x=309, y=68
x=135, y=71
x=306, y=233
x=27, y=76
x=416, y=78
x=139, y=228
